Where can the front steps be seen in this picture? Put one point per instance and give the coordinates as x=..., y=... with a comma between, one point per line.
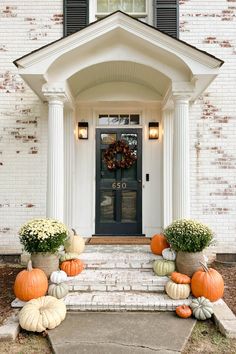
x=117, y=278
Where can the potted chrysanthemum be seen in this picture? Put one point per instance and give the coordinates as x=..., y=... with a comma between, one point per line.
x=189, y=238
x=42, y=238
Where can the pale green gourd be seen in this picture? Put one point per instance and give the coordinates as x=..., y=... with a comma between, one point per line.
x=58, y=290
x=163, y=267
x=177, y=291
x=202, y=308
x=69, y=256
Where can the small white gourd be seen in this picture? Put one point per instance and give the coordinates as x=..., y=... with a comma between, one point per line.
x=59, y=276
x=169, y=254
x=177, y=291
x=58, y=290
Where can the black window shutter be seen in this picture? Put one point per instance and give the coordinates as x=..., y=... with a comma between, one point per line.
x=166, y=14
x=76, y=14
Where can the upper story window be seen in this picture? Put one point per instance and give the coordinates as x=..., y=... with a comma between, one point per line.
x=163, y=14
x=140, y=9
x=133, y=7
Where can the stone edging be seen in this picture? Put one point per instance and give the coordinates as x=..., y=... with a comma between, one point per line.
x=225, y=319
x=10, y=328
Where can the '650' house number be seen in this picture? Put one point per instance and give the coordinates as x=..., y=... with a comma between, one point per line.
x=119, y=185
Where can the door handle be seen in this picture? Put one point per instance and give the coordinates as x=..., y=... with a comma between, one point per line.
x=139, y=181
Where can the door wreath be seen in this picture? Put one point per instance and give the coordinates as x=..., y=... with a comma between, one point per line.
x=111, y=160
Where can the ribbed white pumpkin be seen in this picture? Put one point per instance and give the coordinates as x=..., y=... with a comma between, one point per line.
x=163, y=267
x=42, y=313
x=59, y=276
x=75, y=244
x=58, y=290
x=169, y=254
x=69, y=256
x=177, y=291
x=202, y=308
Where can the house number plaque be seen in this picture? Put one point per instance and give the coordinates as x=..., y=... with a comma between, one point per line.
x=119, y=185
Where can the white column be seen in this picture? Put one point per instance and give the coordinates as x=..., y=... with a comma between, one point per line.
x=55, y=173
x=69, y=140
x=167, y=119
x=181, y=195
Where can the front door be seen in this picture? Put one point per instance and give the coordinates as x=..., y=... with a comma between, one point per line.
x=119, y=191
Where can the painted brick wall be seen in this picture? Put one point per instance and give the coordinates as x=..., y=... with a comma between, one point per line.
x=213, y=119
x=24, y=26
x=27, y=25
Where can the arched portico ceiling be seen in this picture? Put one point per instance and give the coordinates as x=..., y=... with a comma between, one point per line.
x=118, y=71
x=118, y=48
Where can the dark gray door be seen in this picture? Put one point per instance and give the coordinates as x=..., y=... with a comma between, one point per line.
x=118, y=192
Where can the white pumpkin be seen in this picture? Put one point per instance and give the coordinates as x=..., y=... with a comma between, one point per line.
x=58, y=290
x=75, y=244
x=69, y=256
x=59, y=276
x=169, y=254
x=42, y=313
x=177, y=291
x=202, y=308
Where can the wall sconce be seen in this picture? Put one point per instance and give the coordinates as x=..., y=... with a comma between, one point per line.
x=83, y=130
x=153, y=130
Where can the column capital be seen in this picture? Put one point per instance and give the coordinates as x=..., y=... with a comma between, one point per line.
x=182, y=91
x=54, y=93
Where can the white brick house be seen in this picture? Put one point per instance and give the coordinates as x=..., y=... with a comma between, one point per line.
x=118, y=75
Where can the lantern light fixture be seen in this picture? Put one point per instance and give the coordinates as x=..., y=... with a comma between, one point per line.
x=153, y=130
x=83, y=130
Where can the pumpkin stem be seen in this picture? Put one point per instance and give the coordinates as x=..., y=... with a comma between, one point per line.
x=29, y=266
x=204, y=266
x=74, y=232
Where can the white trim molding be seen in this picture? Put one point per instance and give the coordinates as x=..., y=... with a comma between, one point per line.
x=167, y=121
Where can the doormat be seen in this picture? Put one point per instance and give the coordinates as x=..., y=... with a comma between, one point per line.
x=118, y=240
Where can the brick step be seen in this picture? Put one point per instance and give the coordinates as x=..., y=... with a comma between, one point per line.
x=117, y=280
x=118, y=301
x=118, y=256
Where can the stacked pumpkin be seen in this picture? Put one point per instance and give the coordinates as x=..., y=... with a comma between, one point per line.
x=70, y=262
x=206, y=285
x=40, y=312
x=58, y=288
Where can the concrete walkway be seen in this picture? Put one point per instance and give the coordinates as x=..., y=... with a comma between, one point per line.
x=121, y=333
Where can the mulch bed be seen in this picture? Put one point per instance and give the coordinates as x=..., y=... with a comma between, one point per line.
x=229, y=275
x=8, y=274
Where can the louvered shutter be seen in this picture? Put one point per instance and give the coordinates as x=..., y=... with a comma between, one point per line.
x=167, y=16
x=75, y=15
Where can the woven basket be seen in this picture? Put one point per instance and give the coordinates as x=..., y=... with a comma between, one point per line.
x=48, y=262
x=189, y=262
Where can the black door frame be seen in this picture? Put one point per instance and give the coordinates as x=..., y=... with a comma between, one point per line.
x=121, y=229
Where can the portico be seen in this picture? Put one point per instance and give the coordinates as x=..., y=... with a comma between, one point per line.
x=123, y=66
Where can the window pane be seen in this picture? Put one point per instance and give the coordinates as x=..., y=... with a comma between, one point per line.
x=134, y=119
x=102, y=5
x=140, y=6
x=114, y=5
x=124, y=119
x=127, y=5
x=103, y=119
x=113, y=119
x=128, y=206
x=108, y=138
x=107, y=206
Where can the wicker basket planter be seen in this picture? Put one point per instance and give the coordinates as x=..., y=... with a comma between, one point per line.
x=48, y=262
x=189, y=262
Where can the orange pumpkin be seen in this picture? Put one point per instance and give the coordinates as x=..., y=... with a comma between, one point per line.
x=158, y=244
x=207, y=282
x=183, y=311
x=72, y=267
x=30, y=283
x=180, y=278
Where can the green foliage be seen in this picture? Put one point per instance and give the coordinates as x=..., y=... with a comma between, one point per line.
x=43, y=235
x=188, y=235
